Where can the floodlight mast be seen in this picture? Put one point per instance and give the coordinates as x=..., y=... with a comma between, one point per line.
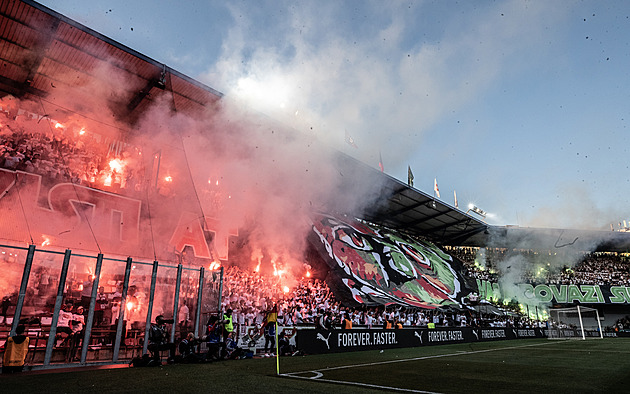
x=480, y=212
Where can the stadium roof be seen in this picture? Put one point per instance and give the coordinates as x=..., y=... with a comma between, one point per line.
x=42, y=51
x=417, y=213
x=413, y=211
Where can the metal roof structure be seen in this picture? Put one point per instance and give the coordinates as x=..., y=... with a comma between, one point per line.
x=412, y=211
x=42, y=51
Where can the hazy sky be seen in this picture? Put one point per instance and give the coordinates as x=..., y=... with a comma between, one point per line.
x=522, y=107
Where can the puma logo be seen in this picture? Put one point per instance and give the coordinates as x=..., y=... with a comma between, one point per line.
x=418, y=335
x=320, y=336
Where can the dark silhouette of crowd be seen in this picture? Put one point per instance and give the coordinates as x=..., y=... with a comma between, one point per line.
x=591, y=268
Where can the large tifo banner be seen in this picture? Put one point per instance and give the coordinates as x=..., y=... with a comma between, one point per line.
x=313, y=341
x=560, y=294
x=372, y=265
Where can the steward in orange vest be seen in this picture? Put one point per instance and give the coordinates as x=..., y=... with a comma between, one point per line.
x=347, y=323
x=15, y=351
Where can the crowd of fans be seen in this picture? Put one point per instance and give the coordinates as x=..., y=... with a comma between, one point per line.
x=250, y=297
x=64, y=153
x=622, y=324
x=591, y=268
x=61, y=154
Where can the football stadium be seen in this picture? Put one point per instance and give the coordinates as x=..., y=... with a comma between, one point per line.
x=148, y=221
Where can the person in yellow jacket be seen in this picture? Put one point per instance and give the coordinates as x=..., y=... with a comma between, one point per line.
x=15, y=351
x=228, y=325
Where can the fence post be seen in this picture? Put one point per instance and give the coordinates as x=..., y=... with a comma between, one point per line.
x=220, y=292
x=176, y=303
x=90, y=317
x=147, y=327
x=20, y=301
x=121, y=310
x=53, y=324
x=199, y=299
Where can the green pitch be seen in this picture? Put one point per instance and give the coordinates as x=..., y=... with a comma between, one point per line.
x=503, y=366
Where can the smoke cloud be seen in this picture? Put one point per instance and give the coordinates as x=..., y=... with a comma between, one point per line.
x=241, y=176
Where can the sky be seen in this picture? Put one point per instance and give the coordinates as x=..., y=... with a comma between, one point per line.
x=520, y=107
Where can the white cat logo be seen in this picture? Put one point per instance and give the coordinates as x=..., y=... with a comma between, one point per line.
x=418, y=335
x=515, y=334
x=320, y=336
x=476, y=335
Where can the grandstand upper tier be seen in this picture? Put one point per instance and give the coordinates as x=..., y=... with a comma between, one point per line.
x=49, y=59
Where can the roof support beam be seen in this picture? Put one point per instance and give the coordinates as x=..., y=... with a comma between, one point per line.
x=142, y=94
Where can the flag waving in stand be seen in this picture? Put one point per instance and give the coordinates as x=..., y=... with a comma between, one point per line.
x=455, y=195
x=435, y=188
x=409, y=176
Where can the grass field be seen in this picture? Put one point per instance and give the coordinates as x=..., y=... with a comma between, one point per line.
x=506, y=366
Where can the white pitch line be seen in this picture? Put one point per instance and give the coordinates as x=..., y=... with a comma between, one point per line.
x=318, y=372
x=376, y=386
x=458, y=353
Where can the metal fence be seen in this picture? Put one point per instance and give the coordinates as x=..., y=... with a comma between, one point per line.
x=44, y=289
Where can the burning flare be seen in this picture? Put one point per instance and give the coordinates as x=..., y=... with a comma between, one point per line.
x=116, y=165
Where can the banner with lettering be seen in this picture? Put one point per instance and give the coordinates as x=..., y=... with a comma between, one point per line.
x=314, y=341
x=558, y=294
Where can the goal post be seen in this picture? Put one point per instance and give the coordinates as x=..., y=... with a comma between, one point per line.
x=578, y=322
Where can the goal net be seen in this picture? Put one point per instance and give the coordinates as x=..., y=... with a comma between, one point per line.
x=577, y=322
